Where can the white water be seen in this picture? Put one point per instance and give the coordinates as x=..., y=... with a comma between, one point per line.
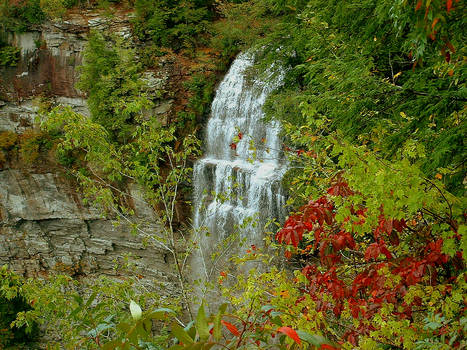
x=231, y=186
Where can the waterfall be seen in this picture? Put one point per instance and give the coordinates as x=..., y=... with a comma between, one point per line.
x=233, y=183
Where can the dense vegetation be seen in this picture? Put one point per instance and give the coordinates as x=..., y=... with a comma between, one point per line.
x=373, y=109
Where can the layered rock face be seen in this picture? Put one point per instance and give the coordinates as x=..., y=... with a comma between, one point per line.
x=50, y=56
x=44, y=225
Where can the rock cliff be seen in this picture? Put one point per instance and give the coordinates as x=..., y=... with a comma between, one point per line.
x=44, y=225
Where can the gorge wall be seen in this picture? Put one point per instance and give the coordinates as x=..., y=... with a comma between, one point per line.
x=44, y=225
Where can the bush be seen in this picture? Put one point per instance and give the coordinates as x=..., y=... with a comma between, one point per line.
x=176, y=24
x=19, y=16
x=112, y=80
x=33, y=144
x=9, y=56
x=7, y=141
x=12, y=301
x=53, y=8
x=201, y=89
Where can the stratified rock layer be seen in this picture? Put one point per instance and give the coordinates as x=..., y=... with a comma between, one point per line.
x=45, y=227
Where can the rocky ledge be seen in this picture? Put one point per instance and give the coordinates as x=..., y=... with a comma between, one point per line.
x=45, y=227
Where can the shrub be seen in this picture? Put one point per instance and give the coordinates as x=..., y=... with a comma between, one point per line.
x=33, y=144
x=12, y=301
x=176, y=24
x=7, y=141
x=113, y=82
x=201, y=89
x=53, y=8
x=19, y=16
x=9, y=56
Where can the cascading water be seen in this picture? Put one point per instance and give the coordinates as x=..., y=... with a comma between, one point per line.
x=236, y=183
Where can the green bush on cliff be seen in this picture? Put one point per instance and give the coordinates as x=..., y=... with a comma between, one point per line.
x=111, y=77
x=9, y=56
x=201, y=90
x=12, y=301
x=175, y=24
x=20, y=16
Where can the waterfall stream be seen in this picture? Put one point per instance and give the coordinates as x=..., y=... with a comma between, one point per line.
x=233, y=184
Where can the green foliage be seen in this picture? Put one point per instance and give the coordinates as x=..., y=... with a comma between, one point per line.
x=175, y=24
x=154, y=159
x=201, y=90
x=111, y=77
x=33, y=145
x=53, y=8
x=243, y=23
x=88, y=315
x=7, y=141
x=19, y=16
x=9, y=56
x=12, y=302
x=374, y=96
x=373, y=87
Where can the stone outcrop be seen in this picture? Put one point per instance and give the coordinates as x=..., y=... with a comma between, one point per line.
x=18, y=117
x=45, y=227
x=50, y=56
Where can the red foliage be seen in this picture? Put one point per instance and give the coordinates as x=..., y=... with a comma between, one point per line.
x=448, y=5
x=340, y=189
x=375, y=284
x=290, y=333
x=232, y=329
x=419, y=4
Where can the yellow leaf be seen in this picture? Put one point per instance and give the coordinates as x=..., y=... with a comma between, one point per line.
x=439, y=176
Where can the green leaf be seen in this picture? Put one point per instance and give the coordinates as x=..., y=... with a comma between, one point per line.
x=267, y=308
x=90, y=300
x=114, y=344
x=164, y=309
x=217, y=326
x=135, y=310
x=180, y=333
x=313, y=339
x=202, y=323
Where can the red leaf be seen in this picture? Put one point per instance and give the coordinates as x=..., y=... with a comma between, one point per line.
x=451, y=47
x=292, y=232
x=327, y=347
x=240, y=135
x=232, y=329
x=448, y=5
x=399, y=225
x=385, y=251
x=233, y=146
x=372, y=252
x=290, y=333
x=419, y=4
